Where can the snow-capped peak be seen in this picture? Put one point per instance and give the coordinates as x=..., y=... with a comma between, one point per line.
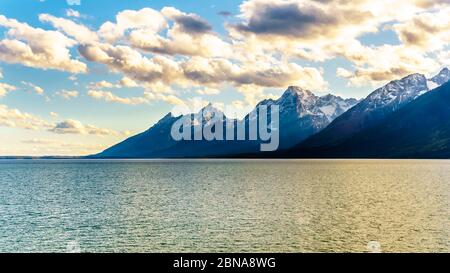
x=398, y=92
x=440, y=79
x=333, y=106
x=302, y=103
x=298, y=92
x=409, y=88
x=209, y=112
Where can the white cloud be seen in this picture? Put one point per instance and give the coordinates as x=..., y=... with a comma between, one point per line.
x=37, y=89
x=102, y=84
x=124, y=82
x=171, y=99
x=146, y=19
x=169, y=49
x=132, y=63
x=199, y=71
x=427, y=31
x=147, y=97
x=37, y=48
x=344, y=73
x=211, y=62
x=189, y=35
x=323, y=30
x=5, y=89
x=208, y=91
x=14, y=118
x=72, y=126
x=444, y=57
x=79, y=32
x=67, y=94
x=110, y=97
x=377, y=65
x=73, y=13
x=127, y=82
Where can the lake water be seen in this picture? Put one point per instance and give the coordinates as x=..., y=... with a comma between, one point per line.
x=224, y=206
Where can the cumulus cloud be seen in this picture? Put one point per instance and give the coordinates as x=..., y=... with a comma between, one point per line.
x=72, y=126
x=110, y=97
x=14, y=118
x=444, y=58
x=147, y=97
x=73, y=13
x=280, y=74
x=6, y=88
x=426, y=31
x=180, y=43
x=208, y=91
x=164, y=50
x=132, y=63
x=37, y=48
x=102, y=84
x=189, y=35
x=323, y=21
x=127, y=82
x=124, y=82
x=171, y=99
x=190, y=23
x=67, y=94
x=377, y=65
x=322, y=30
x=146, y=19
x=199, y=71
x=288, y=18
x=79, y=32
x=37, y=89
x=305, y=21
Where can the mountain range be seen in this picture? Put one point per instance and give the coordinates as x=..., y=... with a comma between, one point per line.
x=420, y=129
x=374, y=108
x=310, y=125
x=302, y=114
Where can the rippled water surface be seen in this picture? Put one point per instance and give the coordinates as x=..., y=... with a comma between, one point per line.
x=215, y=206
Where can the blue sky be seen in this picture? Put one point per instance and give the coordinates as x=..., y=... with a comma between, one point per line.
x=72, y=84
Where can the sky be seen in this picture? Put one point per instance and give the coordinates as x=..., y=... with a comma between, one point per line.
x=77, y=76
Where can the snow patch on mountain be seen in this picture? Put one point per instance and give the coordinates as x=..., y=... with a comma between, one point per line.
x=441, y=78
x=432, y=85
x=328, y=110
x=397, y=93
x=305, y=103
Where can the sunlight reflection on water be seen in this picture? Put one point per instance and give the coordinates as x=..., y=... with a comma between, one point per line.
x=223, y=206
